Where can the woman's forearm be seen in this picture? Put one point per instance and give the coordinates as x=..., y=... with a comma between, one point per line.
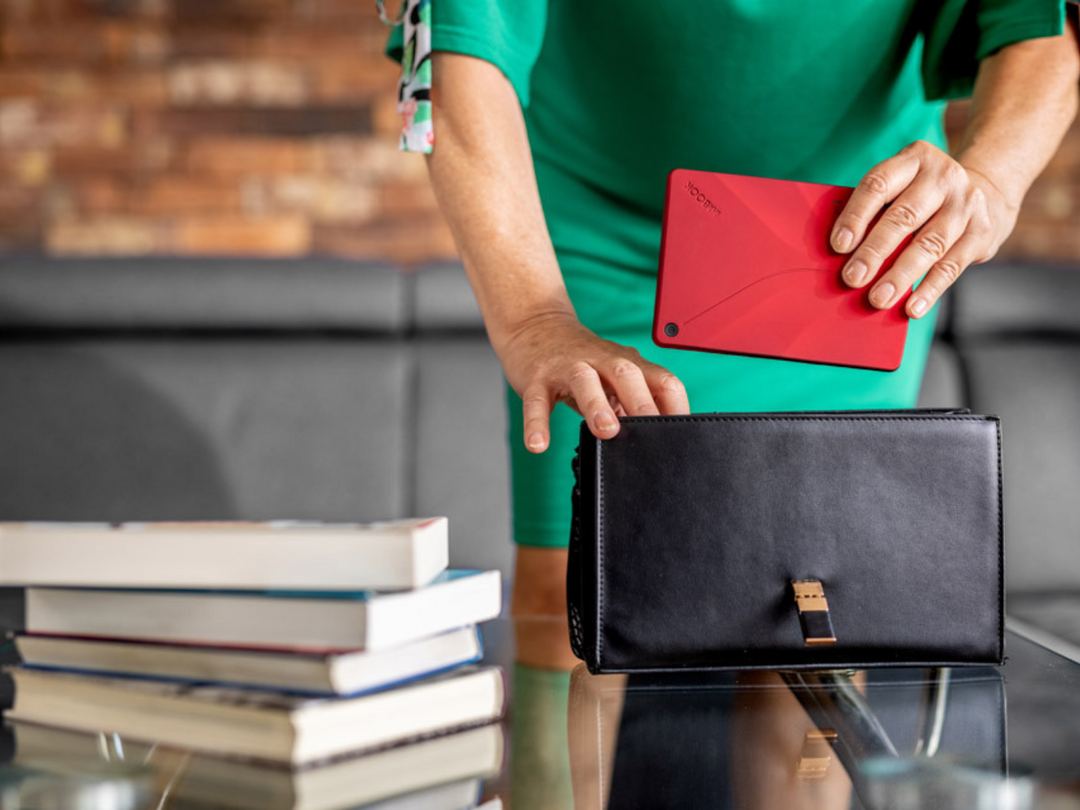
x=483, y=178
x=1025, y=99
x=482, y=172
x=959, y=209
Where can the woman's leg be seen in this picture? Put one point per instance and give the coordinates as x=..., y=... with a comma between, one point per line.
x=541, y=488
x=539, y=582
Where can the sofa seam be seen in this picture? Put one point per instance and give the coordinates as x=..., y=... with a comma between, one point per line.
x=413, y=390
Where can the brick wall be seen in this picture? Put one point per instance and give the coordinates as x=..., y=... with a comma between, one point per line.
x=205, y=126
x=264, y=127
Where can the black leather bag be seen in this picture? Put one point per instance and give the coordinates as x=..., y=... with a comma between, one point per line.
x=788, y=540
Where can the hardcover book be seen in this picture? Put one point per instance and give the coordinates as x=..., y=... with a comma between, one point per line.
x=244, y=556
x=311, y=621
x=441, y=773
x=299, y=671
x=267, y=726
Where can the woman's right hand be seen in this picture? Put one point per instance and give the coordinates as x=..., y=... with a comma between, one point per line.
x=483, y=177
x=553, y=358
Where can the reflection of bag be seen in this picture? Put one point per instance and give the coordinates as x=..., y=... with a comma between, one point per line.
x=860, y=728
x=718, y=739
x=820, y=540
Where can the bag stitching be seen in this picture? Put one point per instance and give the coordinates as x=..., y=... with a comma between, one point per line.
x=799, y=666
x=626, y=419
x=1001, y=549
x=745, y=688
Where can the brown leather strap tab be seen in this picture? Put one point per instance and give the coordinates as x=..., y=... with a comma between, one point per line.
x=813, y=612
x=816, y=755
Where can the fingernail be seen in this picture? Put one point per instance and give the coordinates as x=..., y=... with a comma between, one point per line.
x=842, y=240
x=603, y=420
x=856, y=272
x=882, y=294
x=918, y=307
x=536, y=441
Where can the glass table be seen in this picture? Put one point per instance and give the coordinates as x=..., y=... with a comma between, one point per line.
x=992, y=738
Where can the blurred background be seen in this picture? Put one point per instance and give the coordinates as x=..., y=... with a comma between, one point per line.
x=224, y=293
x=255, y=127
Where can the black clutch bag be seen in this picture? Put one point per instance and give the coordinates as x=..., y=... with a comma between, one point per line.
x=788, y=540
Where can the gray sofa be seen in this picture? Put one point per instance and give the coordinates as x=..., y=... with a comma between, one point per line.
x=1010, y=345
x=249, y=389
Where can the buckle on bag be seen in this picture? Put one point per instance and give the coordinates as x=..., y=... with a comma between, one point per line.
x=813, y=612
x=816, y=754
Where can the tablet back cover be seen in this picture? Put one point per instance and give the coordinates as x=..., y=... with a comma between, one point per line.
x=746, y=268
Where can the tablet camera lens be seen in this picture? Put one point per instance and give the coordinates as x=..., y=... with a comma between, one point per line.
x=671, y=330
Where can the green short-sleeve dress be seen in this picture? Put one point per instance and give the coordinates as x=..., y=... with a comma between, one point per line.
x=618, y=93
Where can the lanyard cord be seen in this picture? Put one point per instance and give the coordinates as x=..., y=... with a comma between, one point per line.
x=380, y=5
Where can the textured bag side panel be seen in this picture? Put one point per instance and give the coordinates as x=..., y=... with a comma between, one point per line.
x=581, y=568
x=573, y=566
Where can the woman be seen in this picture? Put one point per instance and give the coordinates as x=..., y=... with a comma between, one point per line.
x=558, y=122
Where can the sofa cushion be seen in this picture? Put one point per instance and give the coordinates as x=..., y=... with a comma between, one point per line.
x=128, y=429
x=1017, y=330
x=461, y=460
x=1009, y=299
x=943, y=380
x=174, y=293
x=1034, y=386
x=444, y=300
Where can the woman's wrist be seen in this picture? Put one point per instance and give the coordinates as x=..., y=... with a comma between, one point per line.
x=1004, y=196
x=1004, y=189
x=505, y=328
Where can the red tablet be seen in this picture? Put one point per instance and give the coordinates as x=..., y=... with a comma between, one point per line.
x=746, y=268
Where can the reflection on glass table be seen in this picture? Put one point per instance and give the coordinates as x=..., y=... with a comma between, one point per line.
x=976, y=738
x=119, y=786
x=1006, y=737
x=769, y=740
x=442, y=772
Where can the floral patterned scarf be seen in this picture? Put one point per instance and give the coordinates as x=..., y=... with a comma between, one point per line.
x=414, y=87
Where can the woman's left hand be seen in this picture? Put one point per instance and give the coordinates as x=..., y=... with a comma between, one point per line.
x=958, y=216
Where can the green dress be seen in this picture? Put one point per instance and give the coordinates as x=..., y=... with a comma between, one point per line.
x=616, y=94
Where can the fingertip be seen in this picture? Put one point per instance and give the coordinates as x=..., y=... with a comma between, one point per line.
x=610, y=433
x=537, y=442
x=842, y=239
x=881, y=297
x=604, y=425
x=856, y=274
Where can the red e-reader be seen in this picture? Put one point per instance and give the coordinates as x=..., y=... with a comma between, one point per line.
x=746, y=268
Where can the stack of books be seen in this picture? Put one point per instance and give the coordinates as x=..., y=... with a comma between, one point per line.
x=301, y=658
